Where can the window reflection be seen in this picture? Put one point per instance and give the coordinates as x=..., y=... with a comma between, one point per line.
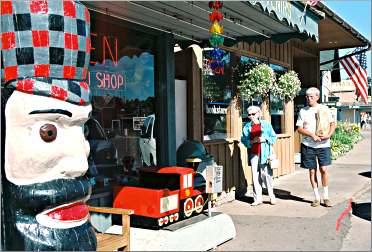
x=217, y=93
x=244, y=65
x=122, y=82
x=277, y=105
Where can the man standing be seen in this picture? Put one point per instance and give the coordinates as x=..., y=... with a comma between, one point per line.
x=315, y=149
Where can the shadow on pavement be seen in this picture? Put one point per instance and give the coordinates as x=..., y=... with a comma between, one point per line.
x=286, y=195
x=365, y=174
x=279, y=193
x=245, y=199
x=362, y=210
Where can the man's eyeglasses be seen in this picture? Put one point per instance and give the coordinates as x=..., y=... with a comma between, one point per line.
x=252, y=114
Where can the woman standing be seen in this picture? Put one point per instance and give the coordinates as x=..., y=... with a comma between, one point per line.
x=259, y=136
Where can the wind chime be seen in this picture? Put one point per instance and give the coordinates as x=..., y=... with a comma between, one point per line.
x=216, y=39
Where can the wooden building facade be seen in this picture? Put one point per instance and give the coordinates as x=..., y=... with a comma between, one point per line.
x=230, y=152
x=271, y=32
x=300, y=55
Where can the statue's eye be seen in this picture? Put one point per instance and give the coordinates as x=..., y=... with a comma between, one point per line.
x=48, y=132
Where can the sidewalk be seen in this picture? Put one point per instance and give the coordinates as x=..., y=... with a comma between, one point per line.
x=290, y=224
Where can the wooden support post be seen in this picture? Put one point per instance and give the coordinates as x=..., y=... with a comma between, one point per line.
x=234, y=123
x=289, y=129
x=265, y=108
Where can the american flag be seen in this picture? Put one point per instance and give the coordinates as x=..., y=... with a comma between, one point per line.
x=358, y=76
x=362, y=58
x=312, y=3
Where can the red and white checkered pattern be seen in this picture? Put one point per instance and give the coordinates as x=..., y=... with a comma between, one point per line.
x=46, y=48
x=44, y=39
x=65, y=90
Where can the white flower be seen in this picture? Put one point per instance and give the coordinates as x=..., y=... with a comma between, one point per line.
x=288, y=86
x=257, y=82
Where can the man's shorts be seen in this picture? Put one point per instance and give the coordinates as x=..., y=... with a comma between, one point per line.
x=310, y=155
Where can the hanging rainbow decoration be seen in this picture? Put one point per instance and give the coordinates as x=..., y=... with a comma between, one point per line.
x=216, y=40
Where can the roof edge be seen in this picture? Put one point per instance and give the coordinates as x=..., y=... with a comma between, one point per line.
x=339, y=20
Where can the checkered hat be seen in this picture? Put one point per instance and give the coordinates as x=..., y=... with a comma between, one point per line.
x=46, y=48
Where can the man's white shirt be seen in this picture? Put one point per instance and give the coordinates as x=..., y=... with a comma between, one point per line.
x=307, y=120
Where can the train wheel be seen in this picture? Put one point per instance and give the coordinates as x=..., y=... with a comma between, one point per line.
x=199, y=204
x=175, y=217
x=171, y=218
x=160, y=222
x=165, y=220
x=188, y=207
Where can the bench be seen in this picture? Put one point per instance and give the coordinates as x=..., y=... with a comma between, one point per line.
x=111, y=242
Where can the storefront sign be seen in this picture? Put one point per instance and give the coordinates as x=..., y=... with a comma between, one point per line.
x=109, y=80
x=120, y=69
x=102, y=75
x=107, y=47
x=216, y=110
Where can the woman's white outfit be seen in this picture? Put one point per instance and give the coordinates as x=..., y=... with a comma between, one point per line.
x=260, y=171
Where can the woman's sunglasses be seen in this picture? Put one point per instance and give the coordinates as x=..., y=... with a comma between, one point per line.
x=252, y=114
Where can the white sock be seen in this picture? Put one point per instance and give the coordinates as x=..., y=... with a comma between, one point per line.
x=325, y=192
x=316, y=193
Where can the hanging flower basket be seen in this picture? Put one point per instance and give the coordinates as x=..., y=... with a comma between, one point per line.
x=288, y=86
x=257, y=82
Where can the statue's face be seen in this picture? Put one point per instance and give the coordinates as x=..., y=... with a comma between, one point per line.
x=44, y=139
x=45, y=158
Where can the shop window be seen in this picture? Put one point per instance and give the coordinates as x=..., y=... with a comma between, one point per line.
x=122, y=81
x=277, y=105
x=217, y=93
x=245, y=64
x=218, y=90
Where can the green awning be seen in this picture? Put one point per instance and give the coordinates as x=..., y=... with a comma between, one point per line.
x=291, y=13
x=249, y=21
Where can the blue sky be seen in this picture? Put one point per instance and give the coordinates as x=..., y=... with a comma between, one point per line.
x=356, y=13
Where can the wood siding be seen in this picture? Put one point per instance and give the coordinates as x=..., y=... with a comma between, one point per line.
x=306, y=62
x=233, y=156
x=228, y=154
x=266, y=50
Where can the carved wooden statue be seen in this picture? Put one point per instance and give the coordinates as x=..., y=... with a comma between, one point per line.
x=45, y=103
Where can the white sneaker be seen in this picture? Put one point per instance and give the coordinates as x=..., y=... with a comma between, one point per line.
x=273, y=201
x=256, y=203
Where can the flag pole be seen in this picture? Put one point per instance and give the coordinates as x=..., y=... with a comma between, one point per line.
x=345, y=56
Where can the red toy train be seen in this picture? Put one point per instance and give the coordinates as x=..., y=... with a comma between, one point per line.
x=165, y=195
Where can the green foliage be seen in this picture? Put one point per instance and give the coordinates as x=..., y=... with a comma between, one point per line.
x=287, y=87
x=257, y=82
x=344, y=138
x=241, y=69
x=260, y=80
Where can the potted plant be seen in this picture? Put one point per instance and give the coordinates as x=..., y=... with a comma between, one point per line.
x=257, y=82
x=287, y=87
